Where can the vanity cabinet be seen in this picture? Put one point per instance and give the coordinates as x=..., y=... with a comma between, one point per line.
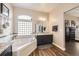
x=44, y=39
x=7, y=52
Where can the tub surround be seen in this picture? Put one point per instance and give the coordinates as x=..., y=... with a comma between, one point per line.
x=24, y=47
x=20, y=47
x=5, y=44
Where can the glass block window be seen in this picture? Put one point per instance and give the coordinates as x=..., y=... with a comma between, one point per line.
x=24, y=25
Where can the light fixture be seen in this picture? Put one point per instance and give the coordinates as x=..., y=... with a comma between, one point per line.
x=24, y=17
x=42, y=19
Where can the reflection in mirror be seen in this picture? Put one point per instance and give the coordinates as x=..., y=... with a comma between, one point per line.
x=72, y=22
x=72, y=29
x=39, y=28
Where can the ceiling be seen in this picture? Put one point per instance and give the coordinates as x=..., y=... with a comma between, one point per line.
x=43, y=7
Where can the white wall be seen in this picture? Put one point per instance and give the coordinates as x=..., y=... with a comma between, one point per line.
x=56, y=17
x=34, y=14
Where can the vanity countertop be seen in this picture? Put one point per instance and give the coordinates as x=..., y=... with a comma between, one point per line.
x=47, y=33
x=3, y=47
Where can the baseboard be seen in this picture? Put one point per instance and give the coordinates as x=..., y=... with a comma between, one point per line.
x=59, y=47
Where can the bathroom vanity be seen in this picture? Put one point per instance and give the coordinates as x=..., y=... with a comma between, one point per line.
x=44, y=39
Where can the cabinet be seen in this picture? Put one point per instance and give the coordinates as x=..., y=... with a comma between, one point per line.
x=69, y=33
x=70, y=27
x=7, y=52
x=44, y=39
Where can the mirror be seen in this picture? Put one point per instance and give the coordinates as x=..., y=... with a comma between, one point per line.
x=72, y=24
x=39, y=28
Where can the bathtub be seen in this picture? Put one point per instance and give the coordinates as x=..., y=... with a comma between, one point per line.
x=24, y=46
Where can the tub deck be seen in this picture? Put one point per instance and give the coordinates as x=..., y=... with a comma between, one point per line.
x=24, y=47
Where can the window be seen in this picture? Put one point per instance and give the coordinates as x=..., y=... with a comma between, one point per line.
x=24, y=25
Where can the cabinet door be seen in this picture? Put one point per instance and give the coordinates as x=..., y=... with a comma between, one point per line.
x=7, y=52
x=44, y=39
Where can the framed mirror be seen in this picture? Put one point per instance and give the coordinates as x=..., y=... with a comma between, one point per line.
x=39, y=28
x=4, y=10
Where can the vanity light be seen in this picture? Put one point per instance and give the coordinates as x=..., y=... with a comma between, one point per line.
x=26, y=17
x=42, y=19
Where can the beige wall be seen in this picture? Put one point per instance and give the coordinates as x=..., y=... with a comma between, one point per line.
x=56, y=17
x=34, y=14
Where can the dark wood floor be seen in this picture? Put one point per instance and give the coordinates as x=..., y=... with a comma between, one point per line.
x=52, y=51
x=72, y=47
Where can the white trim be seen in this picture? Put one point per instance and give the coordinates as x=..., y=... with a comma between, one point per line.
x=59, y=46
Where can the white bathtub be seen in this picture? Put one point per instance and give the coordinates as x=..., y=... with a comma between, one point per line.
x=24, y=47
